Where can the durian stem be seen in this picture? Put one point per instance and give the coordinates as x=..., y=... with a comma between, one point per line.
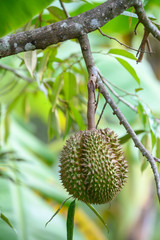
x=93, y=73
x=91, y=103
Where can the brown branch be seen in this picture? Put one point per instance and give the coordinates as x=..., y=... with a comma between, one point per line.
x=101, y=114
x=115, y=39
x=123, y=44
x=92, y=71
x=64, y=9
x=141, y=49
x=97, y=101
x=91, y=102
x=150, y=27
x=72, y=27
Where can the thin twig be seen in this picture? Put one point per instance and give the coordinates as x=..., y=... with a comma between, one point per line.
x=119, y=97
x=97, y=101
x=135, y=29
x=64, y=9
x=149, y=47
x=120, y=89
x=106, y=81
x=101, y=114
x=123, y=44
x=141, y=49
x=16, y=73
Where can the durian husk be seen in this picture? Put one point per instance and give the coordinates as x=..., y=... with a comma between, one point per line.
x=92, y=166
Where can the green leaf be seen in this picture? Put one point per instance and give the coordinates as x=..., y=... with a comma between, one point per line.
x=6, y=220
x=43, y=64
x=68, y=124
x=129, y=68
x=70, y=85
x=138, y=89
x=16, y=13
x=158, y=148
x=144, y=165
x=126, y=137
x=30, y=142
x=98, y=215
x=122, y=52
x=56, y=90
x=30, y=59
x=57, y=13
x=53, y=125
x=153, y=137
x=77, y=117
x=6, y=127
x=141, y=113
x=58, y=210
x=70, y=220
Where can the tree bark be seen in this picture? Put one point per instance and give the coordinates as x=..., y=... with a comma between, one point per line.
x=72, y=27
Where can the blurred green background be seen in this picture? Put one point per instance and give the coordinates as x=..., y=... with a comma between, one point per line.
x=43, y=97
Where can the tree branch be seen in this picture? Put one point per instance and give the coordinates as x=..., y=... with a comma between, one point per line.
x=150, y=27
x=86, y=51
x=115, y=39
x=70, y=28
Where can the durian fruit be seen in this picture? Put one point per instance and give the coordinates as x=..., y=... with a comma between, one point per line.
x=92, y=166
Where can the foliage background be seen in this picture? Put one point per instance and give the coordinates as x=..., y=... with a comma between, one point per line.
x=37, y=117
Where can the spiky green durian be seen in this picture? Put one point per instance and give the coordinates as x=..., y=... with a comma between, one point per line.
x=92, y=166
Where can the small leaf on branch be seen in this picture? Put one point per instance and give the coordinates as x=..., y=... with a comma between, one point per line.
x=141, y=113
x=138, y=89
x=122, y=52
x=53, y=124
x=70, y=85
x=68, y=124
x=126, y=137
x=56, y=90
x=77, y=117
x=57, y=13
